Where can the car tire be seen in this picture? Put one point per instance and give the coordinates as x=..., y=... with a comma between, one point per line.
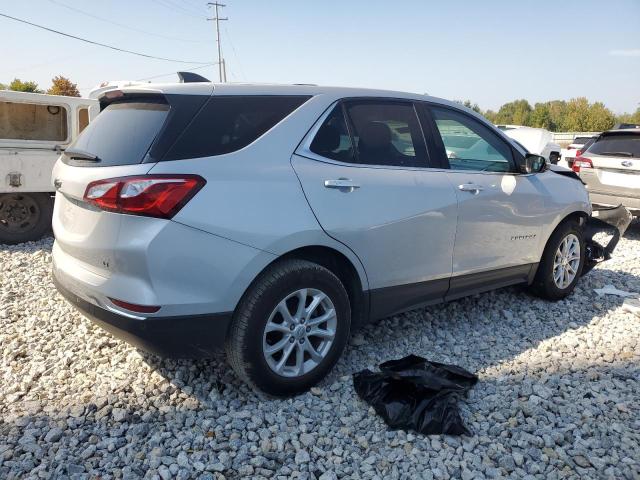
x=550, y=282
x=259, y=327
x=554, y=157
x=24, y=217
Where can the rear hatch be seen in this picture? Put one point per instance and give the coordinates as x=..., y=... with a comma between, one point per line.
x=125, y=139
x=615, y=164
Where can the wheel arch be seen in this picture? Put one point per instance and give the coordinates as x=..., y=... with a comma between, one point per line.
x=341, y=266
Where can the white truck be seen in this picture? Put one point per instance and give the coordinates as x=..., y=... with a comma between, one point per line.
x=34, y=130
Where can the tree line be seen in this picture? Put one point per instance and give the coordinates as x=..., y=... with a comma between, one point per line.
x=59, y=86
x=575, y=115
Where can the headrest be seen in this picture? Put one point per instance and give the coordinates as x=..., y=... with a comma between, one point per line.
x=375, y=135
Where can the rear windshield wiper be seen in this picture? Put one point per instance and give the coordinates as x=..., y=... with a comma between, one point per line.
x=82, y=155
x=618, y=154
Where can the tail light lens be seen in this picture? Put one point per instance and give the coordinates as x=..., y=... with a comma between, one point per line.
x=578, y=153
x=581, y=162
x=160, y=196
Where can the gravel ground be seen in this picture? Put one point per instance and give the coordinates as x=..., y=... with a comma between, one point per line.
x=558, y=395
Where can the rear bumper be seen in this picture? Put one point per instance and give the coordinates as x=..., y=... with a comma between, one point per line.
x=632, y=203
x=192, y=336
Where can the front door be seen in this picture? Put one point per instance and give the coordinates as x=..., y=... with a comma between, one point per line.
x=500, y=212
x=368, y=186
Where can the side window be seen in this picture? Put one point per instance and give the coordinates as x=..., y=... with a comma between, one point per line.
x=386, y=133
x=83, y=119
x=333, y=140
x=469, y=145
x=28, y=121
x=228, y=123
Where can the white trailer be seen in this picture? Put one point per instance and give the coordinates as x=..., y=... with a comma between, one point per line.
x=34, y=130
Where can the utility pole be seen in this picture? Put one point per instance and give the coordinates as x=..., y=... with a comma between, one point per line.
x=218, y=20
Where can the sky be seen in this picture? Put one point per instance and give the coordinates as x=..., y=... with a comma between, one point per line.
x=489, y=51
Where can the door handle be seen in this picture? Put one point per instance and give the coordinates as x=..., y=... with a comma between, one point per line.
x=344, y=184
x=470, y=187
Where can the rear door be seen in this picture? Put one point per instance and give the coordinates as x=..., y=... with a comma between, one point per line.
x=500, y=212
x=363, y=170
x=615, y=158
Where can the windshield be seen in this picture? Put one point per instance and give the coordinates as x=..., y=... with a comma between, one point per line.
x=618, y=145
x=120, y=135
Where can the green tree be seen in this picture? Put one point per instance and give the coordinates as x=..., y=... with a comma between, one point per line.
x=600, y=118
x=20, y=86
x=491, y=116
x=517, y=112
x=473, y=106
x=63, y=86
x=629, y=117
x=541, y=117
x=3, y=86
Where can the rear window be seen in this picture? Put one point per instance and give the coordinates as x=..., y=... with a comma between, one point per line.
x=122, y=133
x=29, y=121
x=617, y=145
x=228, y=123
x=581, y=140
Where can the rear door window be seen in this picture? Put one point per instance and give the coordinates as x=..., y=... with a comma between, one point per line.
x=121, y=134
x=617, y=145
x=228, y=123
x=469, y=145
x=333, y=140
x=386, y=133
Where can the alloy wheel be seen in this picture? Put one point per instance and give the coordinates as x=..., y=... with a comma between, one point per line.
x=566, y=261
x=299, y=332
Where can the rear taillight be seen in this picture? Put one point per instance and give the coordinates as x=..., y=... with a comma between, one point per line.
x=160, y=196
x=581, y=162
x=578, y=153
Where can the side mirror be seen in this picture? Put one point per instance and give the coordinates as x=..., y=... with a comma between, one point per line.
x=532, y=163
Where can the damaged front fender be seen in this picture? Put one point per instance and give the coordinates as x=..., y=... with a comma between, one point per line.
x=613, y=220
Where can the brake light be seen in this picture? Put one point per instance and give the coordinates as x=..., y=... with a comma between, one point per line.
x=134, y=307
x=581, y=162
x=578, y=153
x=160, y=196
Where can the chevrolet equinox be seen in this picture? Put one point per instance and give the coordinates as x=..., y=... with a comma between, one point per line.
x=272, y=220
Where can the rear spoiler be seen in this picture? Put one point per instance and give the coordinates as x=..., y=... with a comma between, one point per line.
x=614, y=220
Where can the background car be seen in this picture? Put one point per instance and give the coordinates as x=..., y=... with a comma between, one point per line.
x=577, y=146
x=536, y=140
x=611, y=169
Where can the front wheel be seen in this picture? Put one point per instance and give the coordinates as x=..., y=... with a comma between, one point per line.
x=290, y=328
x=24, y=216
x=561, y=263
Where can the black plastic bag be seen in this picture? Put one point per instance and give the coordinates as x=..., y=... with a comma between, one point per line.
x=413, y=393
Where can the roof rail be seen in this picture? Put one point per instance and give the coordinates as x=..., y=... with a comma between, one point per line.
x=190, y=77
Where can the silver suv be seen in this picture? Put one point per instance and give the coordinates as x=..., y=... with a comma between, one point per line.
x=273, y=220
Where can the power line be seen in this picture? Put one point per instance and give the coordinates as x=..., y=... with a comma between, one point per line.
x=177, y=8
x=235, y=54
x=101, y=44
x=82, y=12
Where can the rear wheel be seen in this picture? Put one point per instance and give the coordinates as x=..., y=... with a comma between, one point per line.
x=290, y=328
x=561, y=263
x=24, y=216
x=554, y=157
